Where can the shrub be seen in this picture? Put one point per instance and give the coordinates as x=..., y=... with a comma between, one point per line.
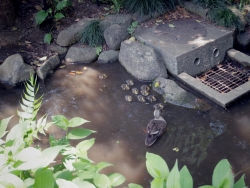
x=149, y=7
x=212, y=3
x=93, y=34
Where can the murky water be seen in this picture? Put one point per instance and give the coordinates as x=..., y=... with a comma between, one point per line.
x=203, y=138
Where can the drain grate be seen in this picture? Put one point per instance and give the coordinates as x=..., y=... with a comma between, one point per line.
x=225, y=77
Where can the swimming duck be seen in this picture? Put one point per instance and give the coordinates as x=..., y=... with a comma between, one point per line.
x=141, y=98
x=156, y=126
x=145, y=87
x=130, y=82
x=151, y=98
x=125, y=87
x=128, y=98
x=135, y=91
x=144, y=92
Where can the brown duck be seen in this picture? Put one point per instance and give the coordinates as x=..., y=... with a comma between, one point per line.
x=156, y=126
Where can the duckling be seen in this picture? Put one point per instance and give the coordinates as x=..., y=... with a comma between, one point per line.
x=130, y=82
x=144, y=92
x=128, y=98
x=156, y=126
x=135, y=91
x=125, y=87
x=103, y=76
x=141, y=98
x=151, y=98
x=145, y=87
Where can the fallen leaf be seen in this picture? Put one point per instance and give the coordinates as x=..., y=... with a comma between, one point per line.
x=79, y=72
x=72, y=73
x=105, y=8
x=158, y=20
x=43, y=58
x=101, y=89
x=38, y=7
x=14, y=28
x=85, y=68
x=233, y=73
x=77, y=20
x=62, y=66
x=157, y=84
x=132, y=39
x=117, y=142
x=198, y=20
x=171, y=25
x=27, y=42
x=176, y=149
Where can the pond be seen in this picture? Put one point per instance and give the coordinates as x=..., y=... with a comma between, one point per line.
x=203, y=138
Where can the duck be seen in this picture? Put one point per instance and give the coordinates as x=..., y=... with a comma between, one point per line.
x=125, y=87
x=135, y=91
x=151, y=98
x=156, y=126
x=141, y=98
x=130, y=82
x=144, y=92
x=145, y=87
x=128, y=98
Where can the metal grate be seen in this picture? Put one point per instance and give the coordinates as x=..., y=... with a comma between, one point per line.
x=225, y=77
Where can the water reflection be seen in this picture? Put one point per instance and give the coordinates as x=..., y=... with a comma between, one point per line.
x=203, y=138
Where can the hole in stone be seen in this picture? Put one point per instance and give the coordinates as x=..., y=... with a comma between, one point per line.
x=197, y=61
x=216, y=52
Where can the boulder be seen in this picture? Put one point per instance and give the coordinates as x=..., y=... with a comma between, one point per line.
x=142, y=61
x=61, y=51
x=174, y=94
x=239, y=57
x=120, y=19
x=195, y=8
x=81, y=55
x=114, y=35
x=108, y=56
x=73, y=33
x=48, y=67
x=14, y=71
x=243, y=38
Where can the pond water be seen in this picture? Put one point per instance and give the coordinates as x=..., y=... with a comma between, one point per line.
x=203, y=138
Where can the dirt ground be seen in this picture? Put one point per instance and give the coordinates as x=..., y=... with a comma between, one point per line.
x=26, y=38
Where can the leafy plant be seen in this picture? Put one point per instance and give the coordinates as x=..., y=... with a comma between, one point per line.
x=149, y=7
x=98, y=49
x=117, y=4
x=132, y=27
x=92, y=34
x=212, y=3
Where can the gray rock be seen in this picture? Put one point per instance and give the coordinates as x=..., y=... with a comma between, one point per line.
x=81, y=55
x=243, y=38
x=142, y=61
x=114, y=35
x=14, y=71
x=61, y=51
x=120, y=19
x=242, y=21
x=73, y=33
x=174, y=94
x=108, y=56
x=239, y=57
x=195, y=8
x=48, y=67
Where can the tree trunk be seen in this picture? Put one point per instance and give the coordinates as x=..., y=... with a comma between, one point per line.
x=7, y=13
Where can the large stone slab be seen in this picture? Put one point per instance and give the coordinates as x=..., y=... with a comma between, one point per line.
x=239, y=57
x=189, y=46
x=81, y=55
x=142, y=61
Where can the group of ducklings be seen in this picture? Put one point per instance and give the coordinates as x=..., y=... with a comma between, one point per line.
x=141, y=96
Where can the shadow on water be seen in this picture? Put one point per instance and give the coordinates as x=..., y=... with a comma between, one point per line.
x=203, y=138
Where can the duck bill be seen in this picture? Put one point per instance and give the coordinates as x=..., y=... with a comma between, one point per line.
x=150, y=139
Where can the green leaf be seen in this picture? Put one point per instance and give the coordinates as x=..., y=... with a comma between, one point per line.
x=59, y=15
x=11, y=180
x=40, y=16
x=24, y=115
x=47, y=38
x=76, y=121
x=52, y=152
x=3, y=126
x=103, y=165
x=186, y=179
x=83, y=184
x=171, y=25
x=156, y=166
x=173, y=180
x=79, y=133
x=87, y=174
x=207, y=186
x=80, y=165
x=65, y=184
x=157, y=183
x=240, y=183
x=220, y=171
x=60, y=121
x=85, y=144
x=227, y=181
x=116, y=179
x=44, y=178
x=64, y=174
x=61, y=5
x=133, y=185
x=102, y=181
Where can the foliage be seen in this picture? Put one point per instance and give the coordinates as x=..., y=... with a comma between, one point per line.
x=98, y=49
x=243, y=3
x=158, y=169
x=212, y=3
x=117, y=4
x=56, y=11
x=224, y=17
x=132, y=27
x=149, y=7
x=93, y=34
x=23, y=165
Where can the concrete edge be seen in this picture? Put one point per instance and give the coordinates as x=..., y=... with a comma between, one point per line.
x=223, y=99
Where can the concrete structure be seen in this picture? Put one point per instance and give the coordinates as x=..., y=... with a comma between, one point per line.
x=188, y=46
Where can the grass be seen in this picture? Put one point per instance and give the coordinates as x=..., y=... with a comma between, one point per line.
x=92, y=34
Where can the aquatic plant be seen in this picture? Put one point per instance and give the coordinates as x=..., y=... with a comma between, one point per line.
x=92, y=34
x=149, y=7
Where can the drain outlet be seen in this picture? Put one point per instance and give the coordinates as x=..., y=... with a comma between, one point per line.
x=197, y=61
x=216, y=52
